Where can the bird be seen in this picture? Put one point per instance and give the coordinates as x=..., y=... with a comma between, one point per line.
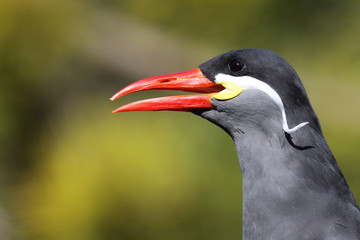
x=293, y=187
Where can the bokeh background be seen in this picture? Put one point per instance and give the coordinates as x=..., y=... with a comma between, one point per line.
x=72, y=170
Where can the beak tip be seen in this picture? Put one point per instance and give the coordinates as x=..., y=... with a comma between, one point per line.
x=118, y=95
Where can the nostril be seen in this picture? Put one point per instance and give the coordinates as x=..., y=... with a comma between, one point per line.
x=167, y=80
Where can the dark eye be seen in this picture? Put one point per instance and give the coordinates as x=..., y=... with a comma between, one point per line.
x=236, y=65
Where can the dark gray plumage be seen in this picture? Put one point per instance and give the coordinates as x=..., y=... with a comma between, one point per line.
x=292, y=185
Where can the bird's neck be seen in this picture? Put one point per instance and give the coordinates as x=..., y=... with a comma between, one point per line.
x=283, y=182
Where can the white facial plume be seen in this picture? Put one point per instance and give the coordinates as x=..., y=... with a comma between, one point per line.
x=247, y=82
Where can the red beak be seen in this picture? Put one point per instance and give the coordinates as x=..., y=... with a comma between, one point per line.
x=190, y=81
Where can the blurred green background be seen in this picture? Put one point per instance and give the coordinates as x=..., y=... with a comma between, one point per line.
x=72, y=170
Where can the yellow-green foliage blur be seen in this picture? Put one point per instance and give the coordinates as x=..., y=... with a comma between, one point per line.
x=72, y=170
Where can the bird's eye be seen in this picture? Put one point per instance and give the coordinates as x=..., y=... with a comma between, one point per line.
x=236, y=65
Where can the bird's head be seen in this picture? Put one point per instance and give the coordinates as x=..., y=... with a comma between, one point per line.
x=248, y=87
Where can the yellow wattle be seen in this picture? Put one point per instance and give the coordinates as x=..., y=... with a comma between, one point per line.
x=231, y=90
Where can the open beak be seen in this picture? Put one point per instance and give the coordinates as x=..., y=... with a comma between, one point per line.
x=190, y=81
